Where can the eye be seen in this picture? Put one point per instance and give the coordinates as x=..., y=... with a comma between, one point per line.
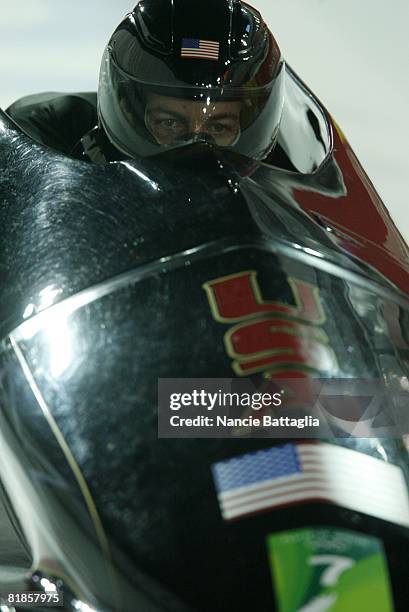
x=170, y=125
x=218, y=128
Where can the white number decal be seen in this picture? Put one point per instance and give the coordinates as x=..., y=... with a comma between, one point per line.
x=337, y=565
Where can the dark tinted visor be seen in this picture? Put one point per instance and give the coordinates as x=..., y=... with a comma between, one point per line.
x=142, y=118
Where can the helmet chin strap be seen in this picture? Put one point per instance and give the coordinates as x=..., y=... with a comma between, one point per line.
x=198, y=137
x=203, y=137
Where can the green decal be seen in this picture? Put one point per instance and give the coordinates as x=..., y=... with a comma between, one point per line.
x=334, y=570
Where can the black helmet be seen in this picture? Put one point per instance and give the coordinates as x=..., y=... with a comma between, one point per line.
x=181, y=71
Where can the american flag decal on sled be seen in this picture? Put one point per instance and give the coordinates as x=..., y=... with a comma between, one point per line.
x=200, y=49
x=310, y=472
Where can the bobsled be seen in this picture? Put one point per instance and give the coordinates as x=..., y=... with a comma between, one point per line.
x=196, y=264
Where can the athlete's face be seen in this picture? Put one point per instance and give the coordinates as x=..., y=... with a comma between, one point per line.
x=172, y=120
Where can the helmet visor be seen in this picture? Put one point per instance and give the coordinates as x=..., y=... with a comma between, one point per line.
x=144, y=118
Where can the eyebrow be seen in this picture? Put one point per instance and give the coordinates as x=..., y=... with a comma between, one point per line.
x=225, y=116
x=159, y=109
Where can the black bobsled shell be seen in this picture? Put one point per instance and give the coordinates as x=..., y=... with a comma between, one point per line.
x=103, y=269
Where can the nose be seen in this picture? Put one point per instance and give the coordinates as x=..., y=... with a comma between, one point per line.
x=203, y=136
x=196, y=125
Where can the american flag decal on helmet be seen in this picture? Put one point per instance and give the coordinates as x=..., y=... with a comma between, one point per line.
x=200, y=49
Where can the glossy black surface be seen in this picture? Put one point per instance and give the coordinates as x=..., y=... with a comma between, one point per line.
x=152, y=54
x=147, y=44
x=102, y=273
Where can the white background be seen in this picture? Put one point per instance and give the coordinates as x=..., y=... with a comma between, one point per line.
x=354, y=54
